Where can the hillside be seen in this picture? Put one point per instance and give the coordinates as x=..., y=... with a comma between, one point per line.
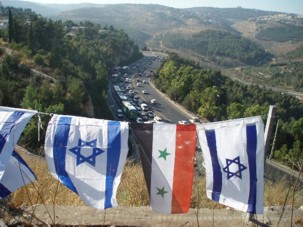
x=156, y=20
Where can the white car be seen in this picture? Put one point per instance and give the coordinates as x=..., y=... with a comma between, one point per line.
x=153, y=101
x=194, y=120
x=144, y=92
x=158, y=119
x=119, y=113
x=144, y=106
x=183, y=122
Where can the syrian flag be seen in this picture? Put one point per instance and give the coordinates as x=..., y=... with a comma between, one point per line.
x=167, y=157
x=87, y=155
x=14, y=172
x=234, y=161
x=16, y=175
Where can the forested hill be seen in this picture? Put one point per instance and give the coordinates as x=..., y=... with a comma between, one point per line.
x=215, y=97
x=158, y=19
x=219, y=43
x=75, y=57
x=277, y=33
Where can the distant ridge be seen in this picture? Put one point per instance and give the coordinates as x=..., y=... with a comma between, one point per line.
x=149, y=24
x=47, y=9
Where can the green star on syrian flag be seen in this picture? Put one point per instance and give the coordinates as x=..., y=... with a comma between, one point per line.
x=161, y=191
x=163, y=153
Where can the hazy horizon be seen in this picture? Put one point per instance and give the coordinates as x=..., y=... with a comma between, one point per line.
x=290, y=6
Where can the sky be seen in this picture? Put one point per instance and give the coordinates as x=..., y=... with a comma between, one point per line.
x=288, y=6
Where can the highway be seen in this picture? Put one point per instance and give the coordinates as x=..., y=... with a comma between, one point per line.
x=140, y=71
x=163, y=107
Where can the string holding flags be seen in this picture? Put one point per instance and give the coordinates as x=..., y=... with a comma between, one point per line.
x=88, y=155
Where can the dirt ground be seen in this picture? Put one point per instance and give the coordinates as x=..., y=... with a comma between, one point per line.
x=144, y=216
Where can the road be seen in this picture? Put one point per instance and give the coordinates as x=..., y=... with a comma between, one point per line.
x=163, y=107
x=141, y=71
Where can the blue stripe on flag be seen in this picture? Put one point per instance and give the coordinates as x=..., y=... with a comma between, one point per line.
x=7, y=127
x=59, y=149
x=4, y=191
x=217, y=174
x=21, y=161
x=251, y=133
x=113, y=156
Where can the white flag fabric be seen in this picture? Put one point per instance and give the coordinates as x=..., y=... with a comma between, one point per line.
x=12, y=124
x=87, y=155
x=233, y=154
x=17, y=174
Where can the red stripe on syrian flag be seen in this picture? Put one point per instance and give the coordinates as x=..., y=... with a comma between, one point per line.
x=167, y=156
x=184, y=168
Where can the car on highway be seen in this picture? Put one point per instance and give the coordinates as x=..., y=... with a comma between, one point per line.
x=144, y=116
x=119, y=113
x=144, y=106
x=135, y=100
x=158, y=119
x=139, y=120
x=150, y=114
x=194, y=120
x=138, y=108
x=153, y=101
x=183, y=122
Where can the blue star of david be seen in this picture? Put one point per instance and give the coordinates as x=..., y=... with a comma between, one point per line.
x=91, y=159
x=238, y=173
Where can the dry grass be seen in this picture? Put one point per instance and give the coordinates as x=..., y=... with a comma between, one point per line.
x=132, y=179
x=46, y=190
x=276, y=194
x=132, y=191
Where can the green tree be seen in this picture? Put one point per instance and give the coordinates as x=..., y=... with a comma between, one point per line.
x=10, y=26
x=256, y=110
x=1, y=97
x=235, y=110
x=209, y=103
x=75, y=97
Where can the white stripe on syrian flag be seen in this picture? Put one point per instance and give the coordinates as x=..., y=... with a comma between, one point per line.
x=233, y=154
x=12, y=124
x=17, y=174
x=168, y=164
x=87, y=155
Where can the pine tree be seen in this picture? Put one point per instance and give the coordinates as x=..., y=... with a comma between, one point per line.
x=10, y=26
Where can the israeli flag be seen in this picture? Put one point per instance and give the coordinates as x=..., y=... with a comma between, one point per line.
x=87, y=155
x=17, y=174
x=12, y=124
x=233, y=153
